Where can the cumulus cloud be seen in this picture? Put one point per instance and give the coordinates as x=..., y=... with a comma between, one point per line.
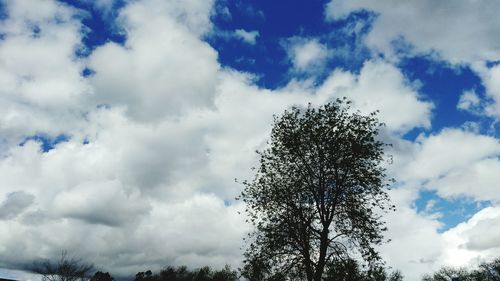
x=154, y=76
x=489, y=106
x=111, y=207
x=407, y=230
x=477, y=180
x=107, y=203
x=473, y=241
x=417, y=248
x=101, y=190
x=42, y=89
x=456, y=163
x=459, y=32
x=381, y=86
x=306, y=55
x=14, y=204
x=451, y=149
x=469, y=101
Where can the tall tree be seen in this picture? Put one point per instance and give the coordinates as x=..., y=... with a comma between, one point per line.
x=317, y=190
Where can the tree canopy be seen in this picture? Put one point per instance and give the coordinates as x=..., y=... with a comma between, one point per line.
x=182, y=273
x=102, y=276
x=486, y=271
x=316, y=193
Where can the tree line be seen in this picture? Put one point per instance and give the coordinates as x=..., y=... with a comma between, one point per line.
x=72, y=269
x=486, y=271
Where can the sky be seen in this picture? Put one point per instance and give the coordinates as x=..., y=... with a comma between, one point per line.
x=123, y=124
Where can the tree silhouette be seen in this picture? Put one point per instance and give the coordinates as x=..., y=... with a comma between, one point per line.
x=182, y=273
x=145, y=276
x=343, y=270
x=490, y=270
x=487, y=271
x=316, y=192
x=255, y=270
x=65, y=269
x=176, y=274
x=102, y=276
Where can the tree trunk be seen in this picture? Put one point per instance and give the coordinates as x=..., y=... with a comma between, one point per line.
x=322, y=254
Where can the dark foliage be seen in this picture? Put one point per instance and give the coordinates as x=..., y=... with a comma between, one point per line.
x=182, y=273
x=65, y=269
x=102, y=276
x=489, y=271
x=351, y=270
x=316, y=194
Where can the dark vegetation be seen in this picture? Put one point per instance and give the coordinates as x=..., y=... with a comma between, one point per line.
x=338, y=270
x=182, y=273
x=315, y=203
x=65, y=269
x=488, y=271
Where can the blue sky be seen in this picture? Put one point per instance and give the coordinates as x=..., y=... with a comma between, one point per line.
x=158, y=105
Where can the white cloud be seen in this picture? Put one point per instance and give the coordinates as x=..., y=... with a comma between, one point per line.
x=475, y=240
x=458, y=31
x=42, y=89
x=102, y=197
x=415, y=245
x=478, y=180
x=381, y=86
x=417, y=248
x=155, y=76
x=14, y=204
x=437, y=155
x=490, y=77
x=249, y=37
x=454, y=163
x=469, y=100
x=127, y=194
x=306, y=55
x=192, y=14
x=111, y=207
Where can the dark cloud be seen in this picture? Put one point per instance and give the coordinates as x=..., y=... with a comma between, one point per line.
x=15, y=204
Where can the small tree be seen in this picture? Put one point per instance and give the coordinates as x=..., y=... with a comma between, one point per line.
x=225, y=274
x=145, y=276
x=65, y=269
x=396, y=276
x=316, y=192
x=102, y=276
